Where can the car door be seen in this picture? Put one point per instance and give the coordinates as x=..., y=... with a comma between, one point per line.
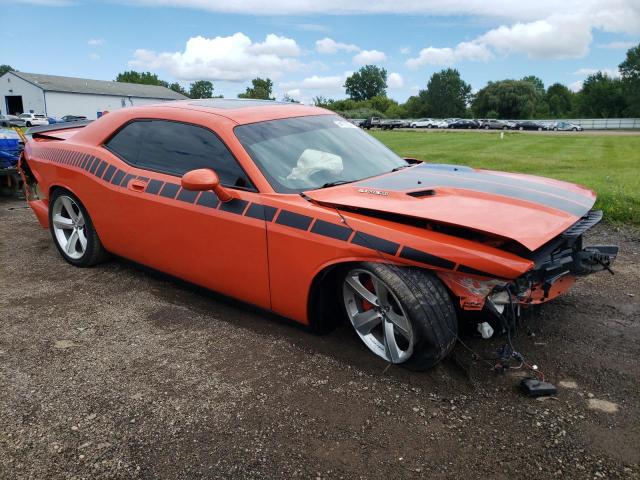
x=192, y=235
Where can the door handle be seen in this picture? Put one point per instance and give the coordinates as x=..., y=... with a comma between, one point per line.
x=137, y=185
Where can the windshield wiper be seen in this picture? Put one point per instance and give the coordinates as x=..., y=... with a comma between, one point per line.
x=401, y=167
x=337, y=182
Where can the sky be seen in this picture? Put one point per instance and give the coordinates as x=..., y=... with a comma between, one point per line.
x=308, y=47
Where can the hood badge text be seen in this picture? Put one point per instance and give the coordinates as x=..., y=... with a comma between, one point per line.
x=373, y=191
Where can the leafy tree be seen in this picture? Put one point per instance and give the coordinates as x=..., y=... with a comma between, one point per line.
x=537, y=83
x=201, y=89
x=288, y=98
x=176, y=87
x=322, y=101
x=560, y=100
x=602, y=97
x=506, y=99
x=630, y=73
x=447, y=95
x=415, y=107
x=6, y=68
x=368, y=82
x=145, y=78
x=261, y=89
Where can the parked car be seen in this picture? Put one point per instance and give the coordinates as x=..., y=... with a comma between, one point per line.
x=373, y=122
x=32, y=119
x=421, y=123
x=467, y=124
x=528, y=125
x=567, y=126
x=11, y=121
x=441, y=123
x=73, y=118
x=493, y=124
x=299, y=212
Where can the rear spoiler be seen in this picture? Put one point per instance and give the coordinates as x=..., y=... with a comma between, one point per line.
x=41, y=131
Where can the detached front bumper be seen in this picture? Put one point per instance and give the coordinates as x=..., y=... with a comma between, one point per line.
x=557, y=264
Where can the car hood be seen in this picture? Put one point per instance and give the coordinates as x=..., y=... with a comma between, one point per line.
x=530, y=210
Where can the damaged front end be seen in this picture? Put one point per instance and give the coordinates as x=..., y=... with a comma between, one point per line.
x=556, y=265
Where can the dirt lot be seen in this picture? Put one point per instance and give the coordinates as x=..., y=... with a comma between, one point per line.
x=113, y=372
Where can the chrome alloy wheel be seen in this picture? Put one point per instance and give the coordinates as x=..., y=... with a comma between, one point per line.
x=68, y=226
x=377, y=316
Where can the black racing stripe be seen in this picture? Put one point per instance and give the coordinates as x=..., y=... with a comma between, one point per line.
x=154, y=186
x=77, y=159
x=83, y=164
x=188, y=196
x=465, y=178
x=261, y=212
x=331, y=230
x=375, y=243
x=117, y=177
x=94, y=165
x=234, y=206
x=208, y=199
x=169, y=190
x=127, y=178
x=144, y=179
x=100, y=169
x=426, y=258
x=473, y=271
x=295, y=220
x=109, y=173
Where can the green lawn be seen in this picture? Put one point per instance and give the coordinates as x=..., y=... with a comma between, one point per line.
x=608, y=164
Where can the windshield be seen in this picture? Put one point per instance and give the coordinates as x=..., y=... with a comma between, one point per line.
x=306, y=153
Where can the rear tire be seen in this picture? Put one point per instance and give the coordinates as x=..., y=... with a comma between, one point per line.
x=73, y=232
x=409, y=302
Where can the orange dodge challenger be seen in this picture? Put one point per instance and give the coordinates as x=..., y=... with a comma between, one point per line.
x=295, y=210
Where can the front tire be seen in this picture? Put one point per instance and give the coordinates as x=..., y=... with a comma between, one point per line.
x=73, y=232
x=403, y=315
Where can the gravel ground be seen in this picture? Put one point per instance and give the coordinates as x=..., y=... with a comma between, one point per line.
x=115, y=372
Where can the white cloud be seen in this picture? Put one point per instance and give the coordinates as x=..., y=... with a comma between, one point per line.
x=449, y=56
x=95, y=42
x=585, y=72
x=610, y=15
x=576, y=86
x=330, y=46
x=395, y=80
x=275, y=45
x=559, y=36
x=405, y=50
x=94, y=56
x=366, y=57
x=617, y=45
x=295, y=94
x=233, y=58
x=330, y=83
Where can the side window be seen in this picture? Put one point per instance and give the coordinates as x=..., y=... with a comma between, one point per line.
x=175, y=148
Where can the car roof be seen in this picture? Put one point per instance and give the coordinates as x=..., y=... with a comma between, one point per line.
x=243, y=111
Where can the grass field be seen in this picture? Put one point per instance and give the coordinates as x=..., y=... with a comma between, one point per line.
x=608, y=164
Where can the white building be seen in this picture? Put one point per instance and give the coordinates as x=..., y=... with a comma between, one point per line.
x=56, y=96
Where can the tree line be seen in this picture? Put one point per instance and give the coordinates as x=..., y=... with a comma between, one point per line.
x=447, y=95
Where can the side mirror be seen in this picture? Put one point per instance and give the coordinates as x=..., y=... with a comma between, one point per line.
x=204, y=179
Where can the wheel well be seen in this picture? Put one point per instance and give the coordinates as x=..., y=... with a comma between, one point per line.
x=324, y=309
